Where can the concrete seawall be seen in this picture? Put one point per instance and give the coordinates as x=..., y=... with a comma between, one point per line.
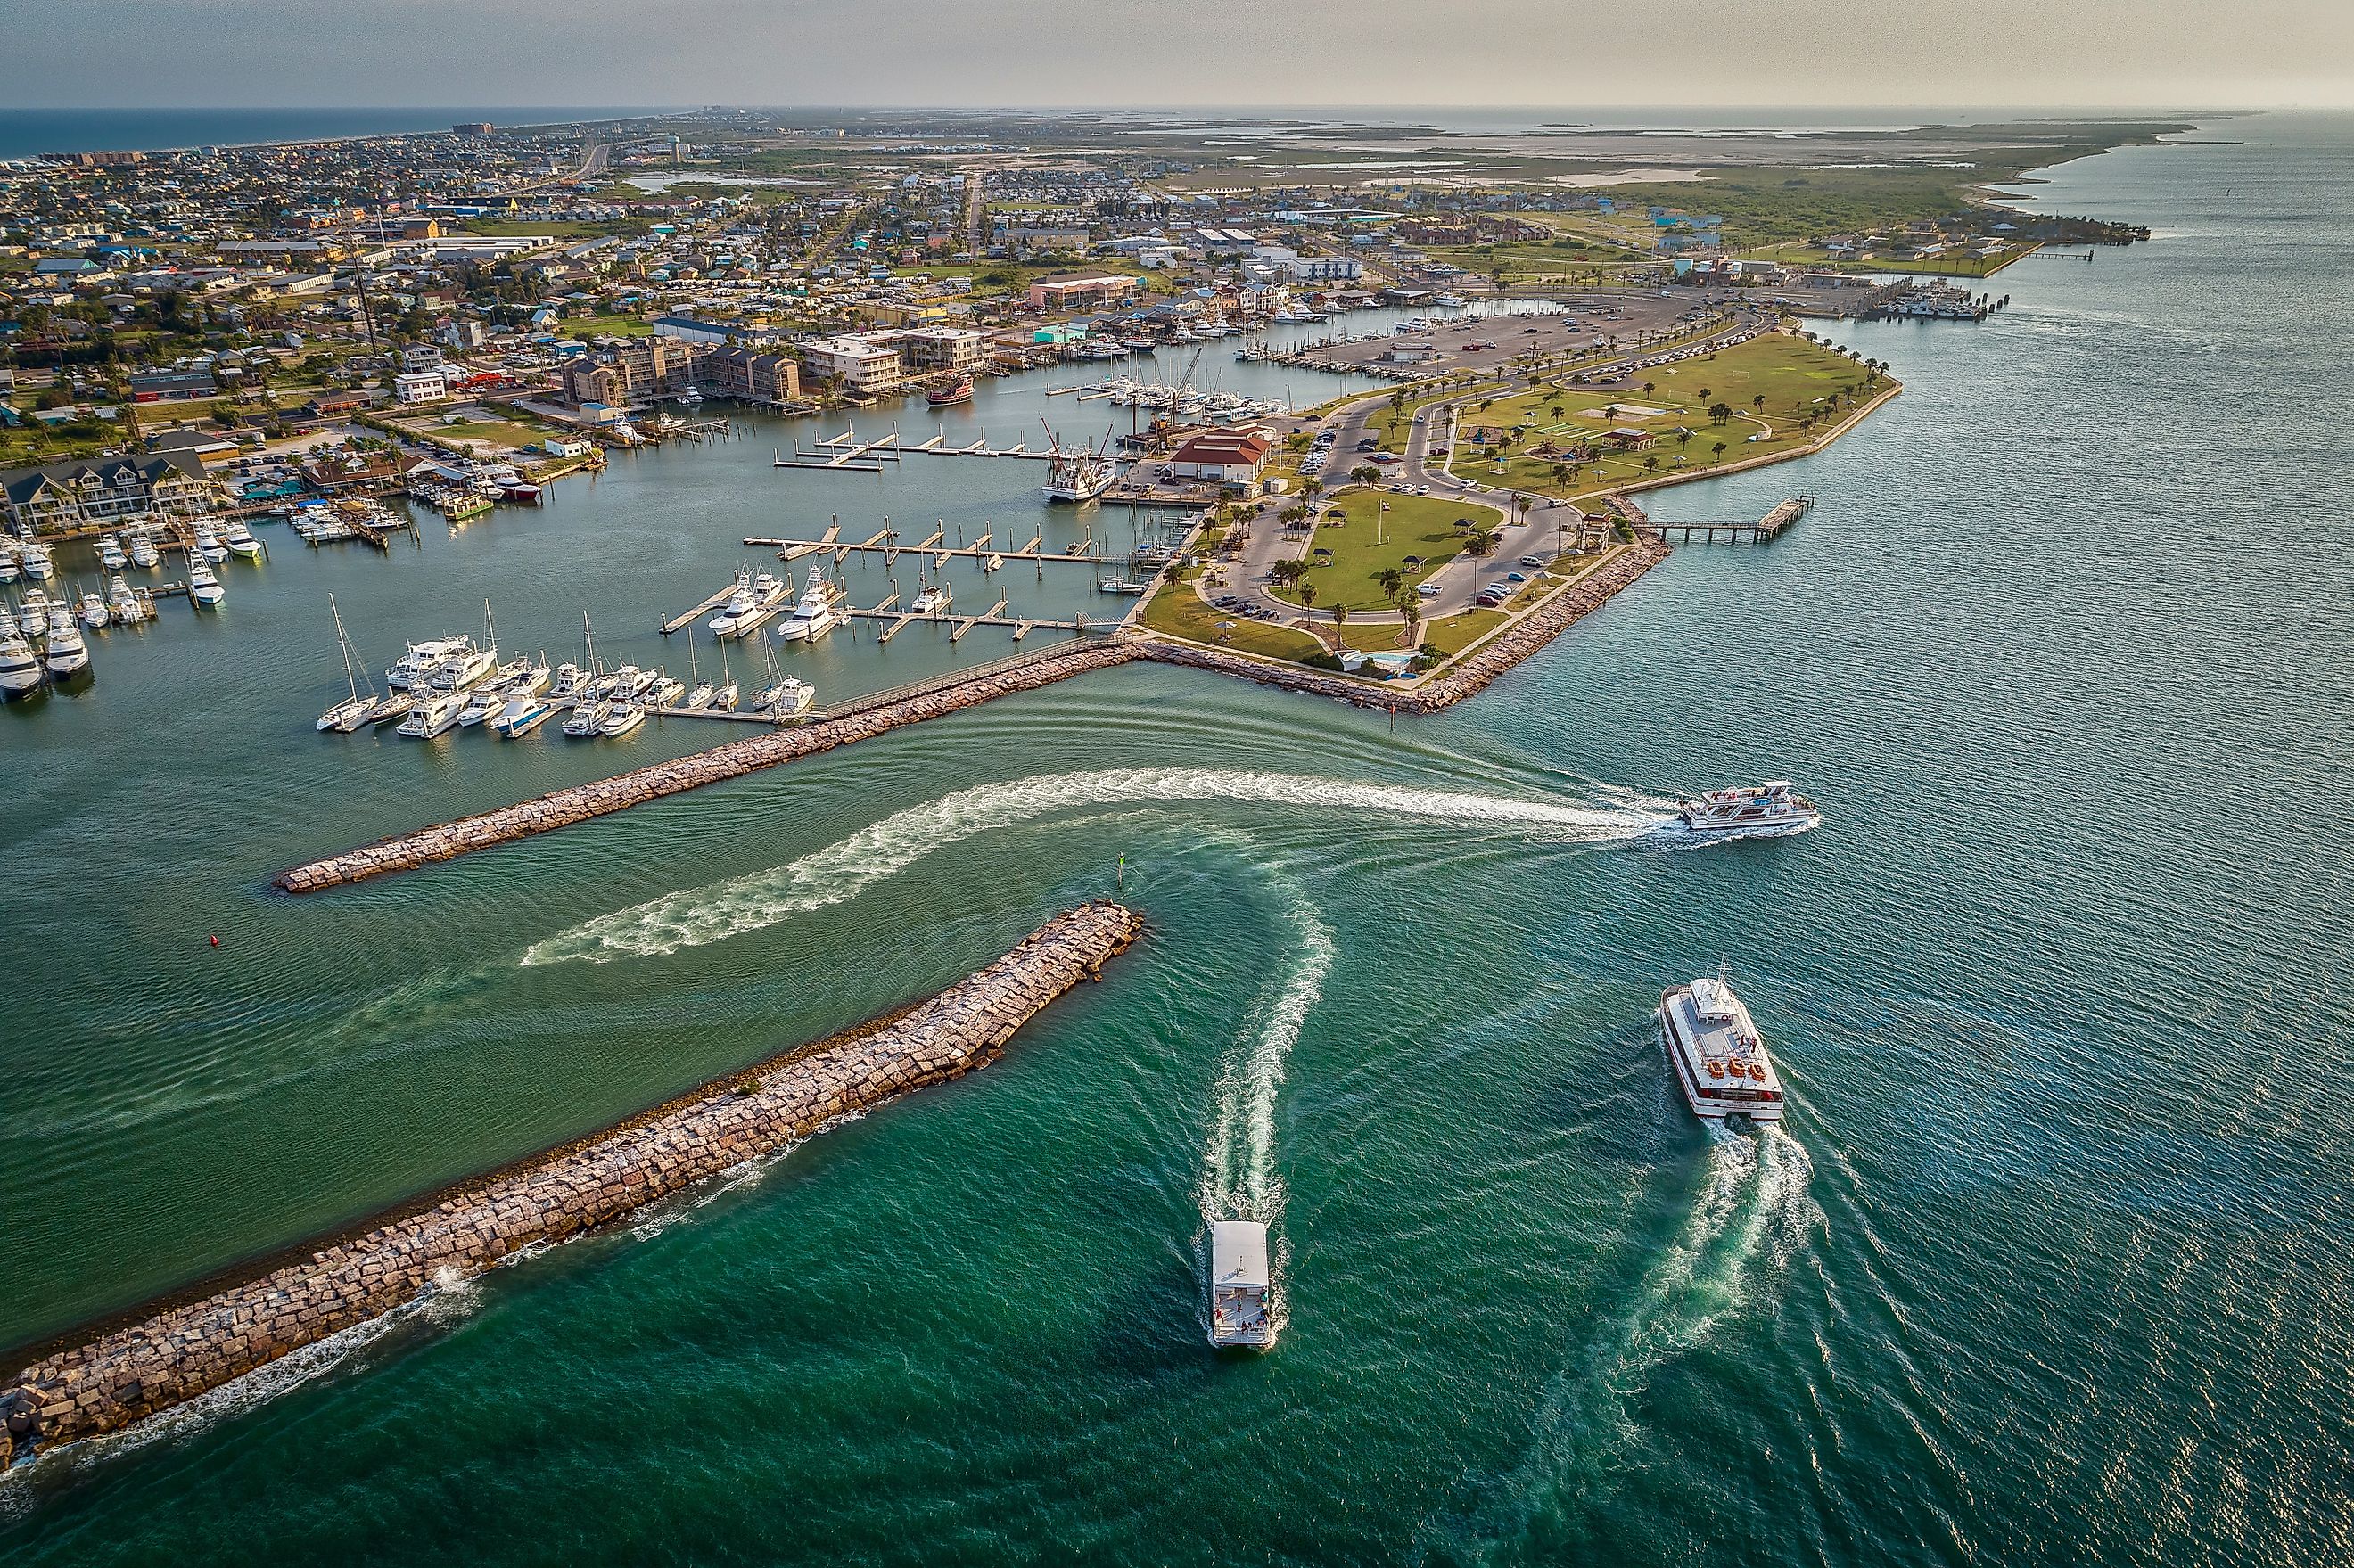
x=579, y=803
x=171, y=1356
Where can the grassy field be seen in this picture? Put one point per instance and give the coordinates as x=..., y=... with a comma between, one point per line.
x=1178, y=611
x=1365, y=544
x=1453, y=633
x=1392, y=425
x=493, y=432
x=1797, y=380
x=606, y=326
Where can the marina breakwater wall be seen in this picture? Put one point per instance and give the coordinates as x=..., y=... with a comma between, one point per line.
x=1468, y=675
x=577, y=803
x=172, y=1355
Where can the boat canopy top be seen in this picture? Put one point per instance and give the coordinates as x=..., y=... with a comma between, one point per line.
x=1238, y=1253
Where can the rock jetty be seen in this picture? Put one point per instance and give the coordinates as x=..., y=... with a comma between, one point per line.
x=560, y=808
x=107, y=1382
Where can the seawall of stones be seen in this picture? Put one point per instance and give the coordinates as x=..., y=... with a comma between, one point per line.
x=174, y=1355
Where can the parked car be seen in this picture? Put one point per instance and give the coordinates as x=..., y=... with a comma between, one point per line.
x=1533, y=560
x=1427, y=590
x=1516, y=576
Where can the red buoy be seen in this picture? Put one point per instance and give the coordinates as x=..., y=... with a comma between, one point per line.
x=215, y=941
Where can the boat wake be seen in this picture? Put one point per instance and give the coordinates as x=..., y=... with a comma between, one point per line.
x=1239, y=1179
x=1750, y=1216
x=713, y=913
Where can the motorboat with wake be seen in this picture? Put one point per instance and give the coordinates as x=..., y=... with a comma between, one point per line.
x=1770, y=808
x=1239, y=1286
x=1719, y=1058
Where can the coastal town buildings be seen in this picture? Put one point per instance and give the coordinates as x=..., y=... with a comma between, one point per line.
x=112, y=491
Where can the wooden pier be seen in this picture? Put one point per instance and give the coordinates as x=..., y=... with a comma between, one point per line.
x=687, y=617
x=1765, y=530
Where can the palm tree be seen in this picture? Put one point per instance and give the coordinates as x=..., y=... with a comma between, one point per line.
x=1650, y=465
x=1341, y=625
x=1365, y=473
x=1312, y=489
x=1759, y=401
x=1411, y=607
x=1389, y=579
x=1718, y=449
x=1307, y=595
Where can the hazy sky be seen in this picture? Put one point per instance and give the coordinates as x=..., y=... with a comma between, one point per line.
x=2127, y=53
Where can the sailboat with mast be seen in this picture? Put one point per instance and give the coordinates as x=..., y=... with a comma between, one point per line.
x=354, y=710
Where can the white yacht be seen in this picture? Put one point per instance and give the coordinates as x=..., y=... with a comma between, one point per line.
x=204, y=588
x=20, y=672
x=700, y=697
x=354, y=710
x=523, y=714
x=143, y=550
x=1720, y=1061
x=665, y=690
x=240, y=542
x=33, y=615
x=933, y=600
x=93, y=610
x=813, y=616
x=739, y=604
x=620, y=719
x=631, y=683
x=1239, y=1285
x=109, y=553
x=532, y=678
x=123, y=604
x=207, y=545
x=434, y=713
x=1767, y=808
x=786, y=698
x=461, y=671
x=66, y=653
x=36, y=558
x=415, y=667
x=587, y=718
x=7, y=565
x=566, y=682
x=481, y=703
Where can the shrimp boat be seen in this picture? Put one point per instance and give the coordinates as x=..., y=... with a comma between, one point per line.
x=354, y=710
x=1767, y=808
x=1079, y=475
x=1238, y=1286
x=1720, y=1060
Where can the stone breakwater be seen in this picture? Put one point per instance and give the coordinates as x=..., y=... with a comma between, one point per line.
x=174, y=1355
x=560, y=808
x=1468, y=675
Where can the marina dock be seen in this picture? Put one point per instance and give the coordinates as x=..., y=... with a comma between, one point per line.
x=1765, y=530
x=172, y=1351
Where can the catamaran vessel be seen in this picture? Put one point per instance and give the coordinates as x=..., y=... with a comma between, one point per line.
x=1720, y=1061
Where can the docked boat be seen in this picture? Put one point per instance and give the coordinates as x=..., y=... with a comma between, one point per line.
x=240, y=542
x=8, y=568
x=739, y=603
x=460, y=672
x=20, y=671
x=123, y=604
x=395, y=707
x=1129, y=585
x=620, y=719
x=109, y=553
x=415, y=667
x=1079, y=476
x=207, y=545
x=1720, y=1061
x=1767, y=808
x=933, y=600
x=629, y=682
x=665, y=690
x=433, y=713
x=786, y=698
x=527, y=677
x=35, y=557
x=482, y=702
x=142, y=550
x=586, y=719
x=813, y=616
x=204, y=589
x=93, y=612
x=1240, y=1281
x=955, y=392
x=66, y=652
x=566, y=682
x=33, y=615
x=523, y=714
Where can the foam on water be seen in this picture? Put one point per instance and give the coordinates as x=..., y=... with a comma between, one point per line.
x=1749, y=1215
x=1239, y=1177
x=694, y=916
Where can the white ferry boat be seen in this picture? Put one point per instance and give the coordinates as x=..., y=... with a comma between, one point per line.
x=1238, y=1286
x=1719, y=1059
x=1767, y=808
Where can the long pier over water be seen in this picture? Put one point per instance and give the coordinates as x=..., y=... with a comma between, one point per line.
x=178, y=1351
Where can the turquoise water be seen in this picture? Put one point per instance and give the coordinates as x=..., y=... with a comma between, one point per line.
x=2044, y=1268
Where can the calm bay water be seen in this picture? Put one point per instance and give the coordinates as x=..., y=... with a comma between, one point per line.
x=2044, y=1269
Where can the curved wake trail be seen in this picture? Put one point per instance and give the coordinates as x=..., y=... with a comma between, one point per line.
x=1751, y=1213
x=713, y=913
x=1239, y=1179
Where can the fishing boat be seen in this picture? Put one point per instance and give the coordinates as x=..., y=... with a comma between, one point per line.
x=1770, y=808
x=1078, y=475
x=462, y=670
x=8, y=569
x=35, y=556
x=527, y=677
x=142, y=550
x=523, y=714
x=482, y=702
x=415, y=667
x=629, y=682
x=109, y=553
x=955, y=392
x=240, y=542
x=433, y=713
x=123, y=604
x=566, y=682
x=586, y=719
x=1239, y=1282
x=620, y=719
x=814, y=614
x=768, y=591
x=66, y=652
x=20, y=671
x=204, y=589
x=93, y=612
x=207, y=545
x=33, y=615
x=354, y=710
x=1121, y=585
x=739, y=603
x=1719, y=1058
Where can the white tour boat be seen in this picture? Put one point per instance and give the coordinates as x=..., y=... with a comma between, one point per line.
x=1719, y=1059
x=1767, y=808
x=1238, y=1285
